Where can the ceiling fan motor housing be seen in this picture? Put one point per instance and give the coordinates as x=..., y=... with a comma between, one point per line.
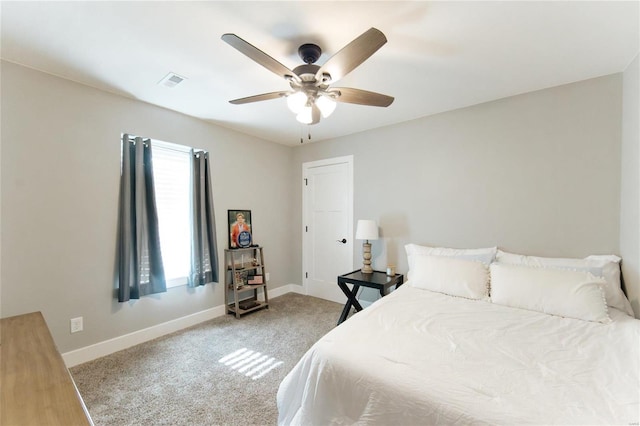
x=306, y=72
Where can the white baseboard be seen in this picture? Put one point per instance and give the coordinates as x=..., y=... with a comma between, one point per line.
x=119, y=343
x=107, y=347
x=287, y=288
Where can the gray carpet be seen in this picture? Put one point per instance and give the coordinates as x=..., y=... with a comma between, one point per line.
x=179, y=380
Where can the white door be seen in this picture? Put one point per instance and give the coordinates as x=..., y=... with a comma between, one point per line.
x=327, y=226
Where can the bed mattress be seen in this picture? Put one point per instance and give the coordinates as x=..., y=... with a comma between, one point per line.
x=420, y=357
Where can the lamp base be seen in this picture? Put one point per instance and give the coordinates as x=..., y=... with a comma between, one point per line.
x=366, y=255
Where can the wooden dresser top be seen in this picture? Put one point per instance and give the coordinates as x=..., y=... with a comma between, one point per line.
x=35, y=385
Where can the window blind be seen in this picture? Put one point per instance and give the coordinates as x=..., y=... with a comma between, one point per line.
x=171, y=169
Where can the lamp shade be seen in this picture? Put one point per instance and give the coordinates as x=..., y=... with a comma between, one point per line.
x=366, y=230
x=296, y=102
x=326, y=105
x=305, y=115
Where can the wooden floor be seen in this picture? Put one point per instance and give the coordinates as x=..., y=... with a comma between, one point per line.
x=36, y=387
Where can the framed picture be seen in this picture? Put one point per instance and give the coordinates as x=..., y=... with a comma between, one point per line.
x=242, y=278
x=240, y=230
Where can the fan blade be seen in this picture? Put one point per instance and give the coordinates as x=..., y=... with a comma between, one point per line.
x=259, y=56
x=352, y=55
x=258, y=98
x=361, y=97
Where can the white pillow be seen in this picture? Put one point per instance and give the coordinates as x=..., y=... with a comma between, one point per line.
x=484, y=255
x=607, y=267
x=571, y=294
x=449, y=275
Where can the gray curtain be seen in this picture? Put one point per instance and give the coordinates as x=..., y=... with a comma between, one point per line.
x=204, y=252
x=140, y=265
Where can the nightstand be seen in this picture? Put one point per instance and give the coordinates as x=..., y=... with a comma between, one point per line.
x=378, y=280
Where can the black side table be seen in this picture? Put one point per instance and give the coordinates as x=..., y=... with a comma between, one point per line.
x=378, y=280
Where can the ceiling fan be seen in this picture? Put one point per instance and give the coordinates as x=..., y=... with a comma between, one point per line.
x=311, y=95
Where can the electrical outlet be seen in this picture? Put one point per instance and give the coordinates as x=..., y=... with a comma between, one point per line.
x=266, y=276
x=76, y=324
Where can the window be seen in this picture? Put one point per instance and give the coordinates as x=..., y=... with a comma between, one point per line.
x=171, y=173
x=177, y=213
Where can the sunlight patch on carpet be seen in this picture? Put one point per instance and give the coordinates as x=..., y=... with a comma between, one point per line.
x=250, y=363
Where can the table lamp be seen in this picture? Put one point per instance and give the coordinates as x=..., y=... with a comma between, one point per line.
x=366, y=230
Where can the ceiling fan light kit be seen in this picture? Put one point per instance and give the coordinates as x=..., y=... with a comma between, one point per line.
x=311, y=97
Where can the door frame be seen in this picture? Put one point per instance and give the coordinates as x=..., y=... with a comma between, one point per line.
x=348, y=159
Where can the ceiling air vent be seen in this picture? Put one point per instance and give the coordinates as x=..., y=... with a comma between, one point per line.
x=171, y=80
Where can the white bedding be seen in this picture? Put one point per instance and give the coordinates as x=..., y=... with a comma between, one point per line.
x=417, y=357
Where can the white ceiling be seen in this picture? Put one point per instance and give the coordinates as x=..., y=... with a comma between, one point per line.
x=439, y=56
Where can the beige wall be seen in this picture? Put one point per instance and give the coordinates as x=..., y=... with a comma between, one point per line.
x=536, y=173
x=60, y=178
x=630, y=185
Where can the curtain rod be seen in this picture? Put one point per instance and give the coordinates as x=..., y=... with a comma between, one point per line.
x=132, y=138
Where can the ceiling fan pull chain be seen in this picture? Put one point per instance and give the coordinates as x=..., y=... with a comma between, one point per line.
x=309, y=130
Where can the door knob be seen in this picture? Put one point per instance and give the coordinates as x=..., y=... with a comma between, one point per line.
x=343, y=241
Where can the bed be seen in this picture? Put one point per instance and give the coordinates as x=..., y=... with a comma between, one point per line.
x=421, y=356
